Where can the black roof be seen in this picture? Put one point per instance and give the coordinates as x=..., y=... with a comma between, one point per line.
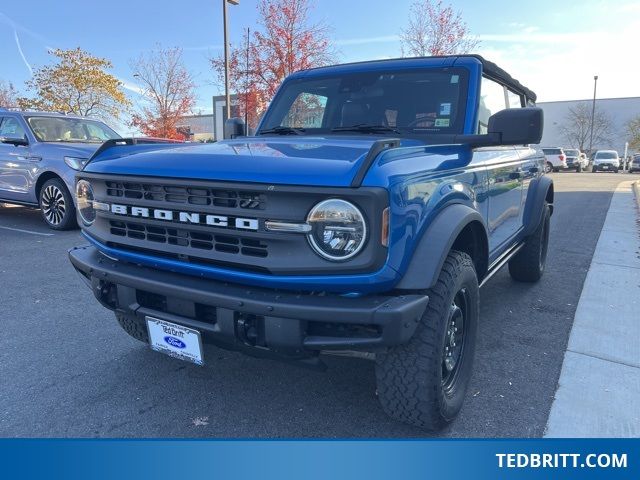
x=494, y=71
x=489, y=68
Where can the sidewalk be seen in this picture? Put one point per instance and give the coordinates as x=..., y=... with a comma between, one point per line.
x=599, y=388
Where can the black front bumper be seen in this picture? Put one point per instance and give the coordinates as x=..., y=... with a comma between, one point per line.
x=284, y=323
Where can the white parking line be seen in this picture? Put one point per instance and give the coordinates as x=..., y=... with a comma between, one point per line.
x=28, y=231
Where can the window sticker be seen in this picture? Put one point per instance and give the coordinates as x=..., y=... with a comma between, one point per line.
x=441, y=122
x=445, y=109
x=455, y=78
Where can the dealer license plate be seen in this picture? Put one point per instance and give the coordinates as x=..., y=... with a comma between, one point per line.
x=175, y=340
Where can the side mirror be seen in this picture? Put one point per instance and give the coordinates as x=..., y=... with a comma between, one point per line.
x=234, y=127
x=14, y=141
x=517, y=126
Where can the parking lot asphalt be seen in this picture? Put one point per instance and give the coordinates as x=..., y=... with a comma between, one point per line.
x=67, y=369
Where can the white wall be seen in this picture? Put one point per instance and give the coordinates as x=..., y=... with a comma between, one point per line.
x=620, y=110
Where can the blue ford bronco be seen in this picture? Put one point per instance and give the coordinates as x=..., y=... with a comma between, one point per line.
x=362, y=218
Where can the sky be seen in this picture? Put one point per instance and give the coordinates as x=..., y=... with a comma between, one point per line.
x=553, y=47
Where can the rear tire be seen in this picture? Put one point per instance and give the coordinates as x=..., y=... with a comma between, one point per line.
x=56, y=205
x=579, y=169
x=548, y=168
x=424, y=382
x=528, y=264
x=135, y=327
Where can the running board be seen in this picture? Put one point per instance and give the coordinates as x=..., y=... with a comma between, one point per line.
x=500, y=262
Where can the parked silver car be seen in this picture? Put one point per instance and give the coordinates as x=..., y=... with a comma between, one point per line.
x=606, y=160
x=39, y=155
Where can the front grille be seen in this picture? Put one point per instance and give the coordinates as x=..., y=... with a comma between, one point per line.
x=229, y=232
x=202, y=196
x=184, y=237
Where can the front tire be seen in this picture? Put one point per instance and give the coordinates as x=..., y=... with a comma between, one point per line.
x=135, y=327
x=56, y=205
x=528, y=264
x=424, y=382
x=548, y=168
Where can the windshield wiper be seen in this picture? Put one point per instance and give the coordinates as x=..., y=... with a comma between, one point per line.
x=280, y=130
x=366, y=128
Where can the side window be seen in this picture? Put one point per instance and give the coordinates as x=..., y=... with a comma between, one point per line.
x=514, y=99
x=307, y=111
x=492, y=100
x=11, y=128
x=96, y=132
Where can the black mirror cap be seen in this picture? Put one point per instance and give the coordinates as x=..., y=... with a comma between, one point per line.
x=234, y=127
x=517, y=126
x=15, y=141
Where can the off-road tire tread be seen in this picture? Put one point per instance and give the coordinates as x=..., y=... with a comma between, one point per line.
x=404, y=374
x=525, y=266
x=134, y=327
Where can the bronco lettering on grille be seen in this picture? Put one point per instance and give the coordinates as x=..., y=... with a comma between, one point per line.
x=186, y=217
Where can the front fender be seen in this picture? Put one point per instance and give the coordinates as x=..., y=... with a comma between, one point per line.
x=436, y=243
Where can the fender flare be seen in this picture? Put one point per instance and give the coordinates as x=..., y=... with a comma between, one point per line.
x=539, y=191
x=436, y=243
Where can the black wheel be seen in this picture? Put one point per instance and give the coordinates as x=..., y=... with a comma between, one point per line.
x=134, y=327
x=616, y=170
x=423, y=382
x=56, y=205
x=594, y=169
x=548, y=167
x=579, y=168
x=528, y=264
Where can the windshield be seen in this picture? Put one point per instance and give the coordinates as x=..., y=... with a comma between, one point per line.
x=413, y=102
x=572, y=153
x=74, y=130
x=606, y=155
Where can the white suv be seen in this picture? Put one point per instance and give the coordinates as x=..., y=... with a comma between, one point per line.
x=606, y=160
x=556, y=160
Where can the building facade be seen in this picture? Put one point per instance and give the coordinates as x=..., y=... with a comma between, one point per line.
x=619, y=110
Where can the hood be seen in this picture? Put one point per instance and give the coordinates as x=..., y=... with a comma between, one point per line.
x=80, y=150
x=313, y=161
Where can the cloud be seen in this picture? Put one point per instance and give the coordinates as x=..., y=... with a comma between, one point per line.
x=561, y=66
x=132, y=87
x=24, y=59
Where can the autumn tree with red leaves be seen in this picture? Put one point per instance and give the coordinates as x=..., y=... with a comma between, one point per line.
x=168, y=93
x=435, y=29
x=285, y=42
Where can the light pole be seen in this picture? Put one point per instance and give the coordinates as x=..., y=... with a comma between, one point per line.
x=593, y=113
x=227, y=97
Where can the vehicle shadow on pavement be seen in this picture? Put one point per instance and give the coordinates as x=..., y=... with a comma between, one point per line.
x=75, y=373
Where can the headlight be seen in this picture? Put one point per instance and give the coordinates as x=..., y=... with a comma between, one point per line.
x=84, y=199
x=76, y=163
x=338, y=231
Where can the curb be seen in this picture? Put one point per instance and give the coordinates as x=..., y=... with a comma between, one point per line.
x=603, y=344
